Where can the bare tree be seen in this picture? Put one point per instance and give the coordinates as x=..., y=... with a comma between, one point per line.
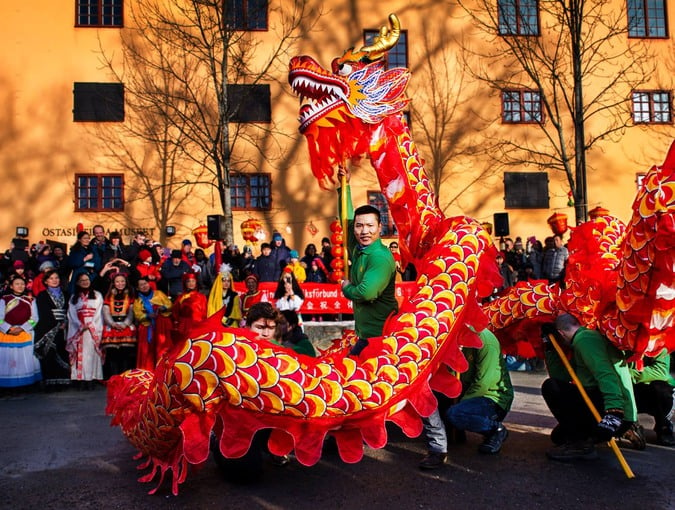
x=184, y=56
x=583, y=66
x=444, y=131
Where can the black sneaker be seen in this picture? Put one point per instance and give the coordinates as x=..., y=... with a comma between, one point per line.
x=493, y=442
x=664, y=437
x=433, y=460
x=280, y=460
x=575, y=450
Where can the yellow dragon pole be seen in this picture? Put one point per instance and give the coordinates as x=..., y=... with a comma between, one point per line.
x=344, y=220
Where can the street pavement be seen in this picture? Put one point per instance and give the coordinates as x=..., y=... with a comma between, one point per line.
x=58, y=451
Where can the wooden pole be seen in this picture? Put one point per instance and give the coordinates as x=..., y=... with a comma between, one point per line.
x=612, y=442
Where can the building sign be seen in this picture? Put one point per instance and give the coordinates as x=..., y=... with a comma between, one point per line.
x=72, y=231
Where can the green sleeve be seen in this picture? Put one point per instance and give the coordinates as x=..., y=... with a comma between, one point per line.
x=554, y=365
x=657, y=370
x=487, y=371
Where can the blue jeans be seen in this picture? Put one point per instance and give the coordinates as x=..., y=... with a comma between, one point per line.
x=479, y=414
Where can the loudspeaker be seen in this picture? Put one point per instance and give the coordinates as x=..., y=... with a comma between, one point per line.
x=501, y=220
x=215, y=227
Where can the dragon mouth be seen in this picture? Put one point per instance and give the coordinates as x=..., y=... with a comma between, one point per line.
x=319, y=91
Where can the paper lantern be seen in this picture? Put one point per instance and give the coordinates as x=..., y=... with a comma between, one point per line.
x=201, y=234
x=598, y=212
x=337, y=238
x=337, y=250
x=336, y=226
x=558, y=223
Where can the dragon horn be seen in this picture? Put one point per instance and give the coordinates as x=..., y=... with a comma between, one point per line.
x=386, y=39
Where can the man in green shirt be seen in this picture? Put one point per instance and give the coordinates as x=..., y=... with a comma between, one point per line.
x=487, y=395
x=604, y=374
x=371, y=283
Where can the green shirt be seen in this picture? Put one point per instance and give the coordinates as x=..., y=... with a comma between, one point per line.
x=487, y=375
x=372, y=282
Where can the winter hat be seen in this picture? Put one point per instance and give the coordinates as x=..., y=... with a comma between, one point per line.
x=325, y=240
x=518, y=245
x=294, y=254
x=187, y=241
x=176, y=254
x=277, y=237
x=144, y=255
x=18, y=264
x=46, y=265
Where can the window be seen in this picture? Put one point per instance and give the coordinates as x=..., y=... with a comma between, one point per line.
x=98, y=192
x=518, y=17
x=251, y=191
x=246, y=14
x=647, y=18
x=526, y=190
x=651, y=107
x=377, y=200
x=521, y=106
x=249, y=103
x=395, y=57
x=99, y=13
x=98, y=102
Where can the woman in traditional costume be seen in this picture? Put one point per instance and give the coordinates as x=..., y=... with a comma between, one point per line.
x=251, y=297
x=223, y=295
x=50, y=332
x=189, y=308
x=152, y=310
x=85, y=328
x=18, y=317
x=119, y=333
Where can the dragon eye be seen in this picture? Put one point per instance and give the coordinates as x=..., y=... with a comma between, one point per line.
x=344, y=69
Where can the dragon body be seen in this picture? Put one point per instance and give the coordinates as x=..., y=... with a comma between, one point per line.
x=223, y=382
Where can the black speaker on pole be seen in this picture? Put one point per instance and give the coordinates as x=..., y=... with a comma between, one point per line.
x=215, y=227
x=501, y=224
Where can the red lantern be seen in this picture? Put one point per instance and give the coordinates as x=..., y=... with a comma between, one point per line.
x=598, y=212
x=558, y=223
x=249, y=229
x=336, y=226
x=336, y=238
x=337, y=251
x=337, y=264
x=201, y=234
x=336, y=276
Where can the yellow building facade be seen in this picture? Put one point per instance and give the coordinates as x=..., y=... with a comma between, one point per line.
x=46, y=52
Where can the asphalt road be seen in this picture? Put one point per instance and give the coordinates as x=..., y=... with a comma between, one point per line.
x=58, y=451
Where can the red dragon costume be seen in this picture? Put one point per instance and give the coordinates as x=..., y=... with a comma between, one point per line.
x=222, y=381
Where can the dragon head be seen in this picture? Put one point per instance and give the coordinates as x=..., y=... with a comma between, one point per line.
x=357, y=93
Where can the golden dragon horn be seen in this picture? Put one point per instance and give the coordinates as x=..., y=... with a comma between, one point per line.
x=385, y=40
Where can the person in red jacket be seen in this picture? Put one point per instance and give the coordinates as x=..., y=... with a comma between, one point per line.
x=147, y=269
x=189, y=308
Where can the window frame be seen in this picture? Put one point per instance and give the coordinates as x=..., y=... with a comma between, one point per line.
x=402, y=40
x=521, y=103
x=519, y=31
x=101, y=5
x=652, y=110
x=248, y=197
x=100, y=192
x=245, y=24
x=376, y=199
x=644, y=19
